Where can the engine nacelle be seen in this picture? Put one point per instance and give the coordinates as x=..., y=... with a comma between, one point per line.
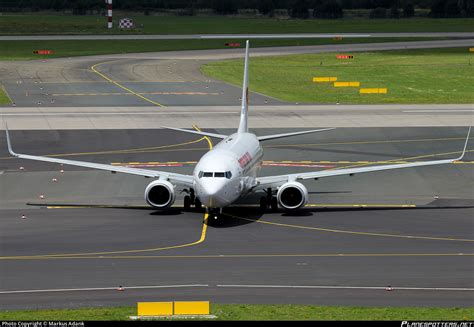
x=292, y=195
x=160, y=194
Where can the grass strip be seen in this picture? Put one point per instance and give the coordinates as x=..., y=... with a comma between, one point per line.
x=95, y=24
x=4, y=98
x=411, y=76
x=259, y=312
x=23, y=50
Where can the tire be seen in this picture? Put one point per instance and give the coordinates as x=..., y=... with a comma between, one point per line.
x=187, y=202
x=263, y=203
x=274, y=204
x=197, y=203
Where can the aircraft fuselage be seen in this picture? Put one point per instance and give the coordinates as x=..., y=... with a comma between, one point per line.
x=228, y=171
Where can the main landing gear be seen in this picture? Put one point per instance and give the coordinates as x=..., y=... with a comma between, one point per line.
x=190, y=200
x=268, y=201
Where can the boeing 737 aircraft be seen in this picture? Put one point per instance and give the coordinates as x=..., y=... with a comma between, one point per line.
x=229, y=170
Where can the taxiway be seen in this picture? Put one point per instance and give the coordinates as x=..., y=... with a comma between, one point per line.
x=410, y=230
x=90, y=232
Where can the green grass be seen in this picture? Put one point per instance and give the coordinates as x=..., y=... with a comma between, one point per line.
x=412, y=76
x=23, y=50
x=4, y=98
x=63, y=24
x=259, y=312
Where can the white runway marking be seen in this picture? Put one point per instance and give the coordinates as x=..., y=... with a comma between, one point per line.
x=353, y=287
x=231, y=36
x=241, y=286
x=101, y=288
x=119, y=113
x=447, y=110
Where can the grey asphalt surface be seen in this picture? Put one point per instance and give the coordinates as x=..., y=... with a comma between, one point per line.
x=173, y=76
x=232, y=36
x=108, y=95
x=73, y=84
x=334, y=255
x=263, y=116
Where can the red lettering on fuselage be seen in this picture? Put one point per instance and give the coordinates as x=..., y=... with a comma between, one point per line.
x=245, y=160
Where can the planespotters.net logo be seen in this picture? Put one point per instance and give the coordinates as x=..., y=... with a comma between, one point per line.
x=437, y=324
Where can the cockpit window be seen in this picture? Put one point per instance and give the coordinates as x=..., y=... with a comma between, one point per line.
x=219, y=174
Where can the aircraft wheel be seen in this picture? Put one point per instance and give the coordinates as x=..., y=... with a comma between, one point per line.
x=263, y=203
x=274, y=204
x=187, y=202
x=197, y=203
x=192, y=196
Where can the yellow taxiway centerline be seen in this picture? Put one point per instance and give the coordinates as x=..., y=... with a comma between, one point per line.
x=271, y=163
x=223, y=256
x=209, y=142
x=93, y=68
x=159, y=149
x=122, y=151
x=310, y=205
x=355, y=232
x=141, y=93
x=199, y=241
x=367, y=142
x=406, y=159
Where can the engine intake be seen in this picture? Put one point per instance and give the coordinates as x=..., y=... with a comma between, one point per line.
x=292, y=195
x=160, y=194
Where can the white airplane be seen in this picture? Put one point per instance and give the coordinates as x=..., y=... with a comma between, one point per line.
x=229, y=170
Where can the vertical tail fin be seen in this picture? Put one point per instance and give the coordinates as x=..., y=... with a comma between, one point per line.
x=245, y=94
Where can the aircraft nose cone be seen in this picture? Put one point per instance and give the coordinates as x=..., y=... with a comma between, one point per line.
x=212, y=196
x=212, y=189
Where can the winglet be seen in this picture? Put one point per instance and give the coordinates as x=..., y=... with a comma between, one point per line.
x=9, y=144
x=465, y=144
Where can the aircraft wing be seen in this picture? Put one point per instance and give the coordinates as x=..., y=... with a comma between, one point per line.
x=219, y=136
x=185, y=180
x=278, y=180
x=279, y=136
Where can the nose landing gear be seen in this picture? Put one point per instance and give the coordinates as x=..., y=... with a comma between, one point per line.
x=214, y=214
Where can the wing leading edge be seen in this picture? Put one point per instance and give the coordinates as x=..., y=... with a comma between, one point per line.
x=278, y=180
x=279, y=136
x=186, y=180
x=218, y=136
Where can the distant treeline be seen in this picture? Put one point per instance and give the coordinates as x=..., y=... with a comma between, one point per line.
x=330, y=9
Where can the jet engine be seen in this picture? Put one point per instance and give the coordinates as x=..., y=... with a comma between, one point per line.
x=292, y=195
x=160, y=194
